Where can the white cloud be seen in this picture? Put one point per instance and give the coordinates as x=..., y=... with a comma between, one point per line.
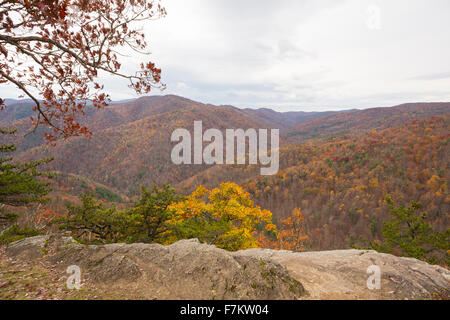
x=300, y=54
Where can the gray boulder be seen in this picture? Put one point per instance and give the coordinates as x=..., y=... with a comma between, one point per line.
x=28, y=248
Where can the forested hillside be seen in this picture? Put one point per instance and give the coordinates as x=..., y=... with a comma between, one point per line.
x=340, y=184
x=336, y=167
x=131, y=141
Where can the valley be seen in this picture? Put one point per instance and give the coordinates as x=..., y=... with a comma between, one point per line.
x=336, y=167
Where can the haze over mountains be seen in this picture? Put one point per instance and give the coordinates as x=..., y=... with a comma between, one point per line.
x=336, y=166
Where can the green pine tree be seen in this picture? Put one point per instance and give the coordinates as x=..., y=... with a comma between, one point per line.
x=93, y=223
x=150, y=214
x=146, y=222
x=19, y=182
x=407, y=233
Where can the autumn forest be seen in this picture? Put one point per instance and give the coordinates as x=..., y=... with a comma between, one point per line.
x=78, y=162
x=336, y=170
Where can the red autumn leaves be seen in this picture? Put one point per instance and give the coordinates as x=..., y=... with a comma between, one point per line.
x=55, y=50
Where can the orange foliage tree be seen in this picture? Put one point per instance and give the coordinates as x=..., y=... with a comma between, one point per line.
x=292, y=234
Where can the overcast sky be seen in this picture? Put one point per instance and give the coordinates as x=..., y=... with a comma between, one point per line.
x=299, y=54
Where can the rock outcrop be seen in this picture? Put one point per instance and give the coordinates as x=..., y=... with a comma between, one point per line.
x=191, y=270
x=343, y=274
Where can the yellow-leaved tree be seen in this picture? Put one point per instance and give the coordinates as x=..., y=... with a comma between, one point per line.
x=225, y=217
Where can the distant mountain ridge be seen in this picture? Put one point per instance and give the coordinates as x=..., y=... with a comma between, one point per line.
x=336, y=166
x=138, y=133
x=367, y=119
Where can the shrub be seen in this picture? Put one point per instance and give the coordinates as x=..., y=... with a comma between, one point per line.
x=225, y=217
x=15, y=233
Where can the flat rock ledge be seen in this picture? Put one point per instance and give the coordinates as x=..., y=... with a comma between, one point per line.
x=190, y=270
